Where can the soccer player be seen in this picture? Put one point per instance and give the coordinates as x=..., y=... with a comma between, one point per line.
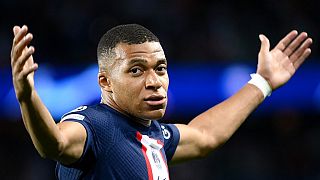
x=120, y=138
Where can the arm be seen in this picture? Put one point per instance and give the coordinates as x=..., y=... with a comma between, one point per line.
x=63, y=142
x=215, y=126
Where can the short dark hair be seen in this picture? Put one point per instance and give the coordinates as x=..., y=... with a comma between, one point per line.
x=128, y=33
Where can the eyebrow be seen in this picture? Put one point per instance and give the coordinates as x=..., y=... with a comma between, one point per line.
x=162, y=61
x=144, y=61
x=137, y=61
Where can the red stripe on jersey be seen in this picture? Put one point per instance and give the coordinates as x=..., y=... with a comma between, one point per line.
x=144, y=152
x=165, y=163
x=139, y=136
x=160, y=142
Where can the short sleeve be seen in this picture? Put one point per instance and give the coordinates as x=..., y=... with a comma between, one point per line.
x=171, y=137
x=88, y=150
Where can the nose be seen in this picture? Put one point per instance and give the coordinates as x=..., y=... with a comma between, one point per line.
x=153, y=81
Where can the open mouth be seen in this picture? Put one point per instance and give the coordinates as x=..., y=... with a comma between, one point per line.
x=155, y=100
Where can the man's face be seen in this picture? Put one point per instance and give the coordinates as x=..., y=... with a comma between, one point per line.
x=139, y=80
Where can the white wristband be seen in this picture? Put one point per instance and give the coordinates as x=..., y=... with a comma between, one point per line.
x=261, y=83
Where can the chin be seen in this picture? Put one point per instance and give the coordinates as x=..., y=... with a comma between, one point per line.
x=154, y=115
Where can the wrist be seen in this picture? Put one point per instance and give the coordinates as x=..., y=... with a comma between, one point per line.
x=261, y=83
x=26, y=96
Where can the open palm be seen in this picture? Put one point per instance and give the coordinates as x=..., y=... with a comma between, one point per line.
x=22, y=63
x=278, y=65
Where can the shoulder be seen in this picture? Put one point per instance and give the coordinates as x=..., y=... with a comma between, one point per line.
x=76, y=114
x=169, y=131
x=98, y=118
x=166, y=131
x=84, y=112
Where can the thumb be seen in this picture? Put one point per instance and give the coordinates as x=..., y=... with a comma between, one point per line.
x=265, y=45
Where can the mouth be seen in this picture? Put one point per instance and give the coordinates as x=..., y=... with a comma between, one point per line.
x=155, y=100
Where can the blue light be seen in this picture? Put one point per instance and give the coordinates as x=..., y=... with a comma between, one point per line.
x=193, y=89
x=62, y=95
x=234, y=77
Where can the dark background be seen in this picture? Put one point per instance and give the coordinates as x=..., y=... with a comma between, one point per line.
x=282, y=144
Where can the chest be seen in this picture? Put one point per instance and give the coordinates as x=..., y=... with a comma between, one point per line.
x=135, y=156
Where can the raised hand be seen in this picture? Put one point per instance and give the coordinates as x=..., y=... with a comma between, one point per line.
x=278, y=65
x=22, y=63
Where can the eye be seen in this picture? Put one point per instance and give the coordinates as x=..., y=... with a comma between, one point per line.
x=162, y=69
x=136, y=71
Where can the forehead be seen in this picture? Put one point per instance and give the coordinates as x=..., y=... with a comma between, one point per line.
x=147, y=50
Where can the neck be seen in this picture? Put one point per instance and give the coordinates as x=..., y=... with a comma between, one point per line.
x=143, y=122
x=108, y=101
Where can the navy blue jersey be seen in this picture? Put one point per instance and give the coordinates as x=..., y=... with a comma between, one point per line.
x=118, y=148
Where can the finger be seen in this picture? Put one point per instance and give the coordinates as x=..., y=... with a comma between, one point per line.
x=23, y=59
x=16, y=30
x=20, y=34
x=23, y=43
x=302, y=58
x=29, y=70
x=295, y=44
x=296, y=54
x=17, y=51
x=265, y=44
x=283, y=43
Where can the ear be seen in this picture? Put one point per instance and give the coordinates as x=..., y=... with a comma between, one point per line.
x=104, y=81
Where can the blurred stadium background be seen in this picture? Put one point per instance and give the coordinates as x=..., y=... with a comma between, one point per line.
x=212, y=48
